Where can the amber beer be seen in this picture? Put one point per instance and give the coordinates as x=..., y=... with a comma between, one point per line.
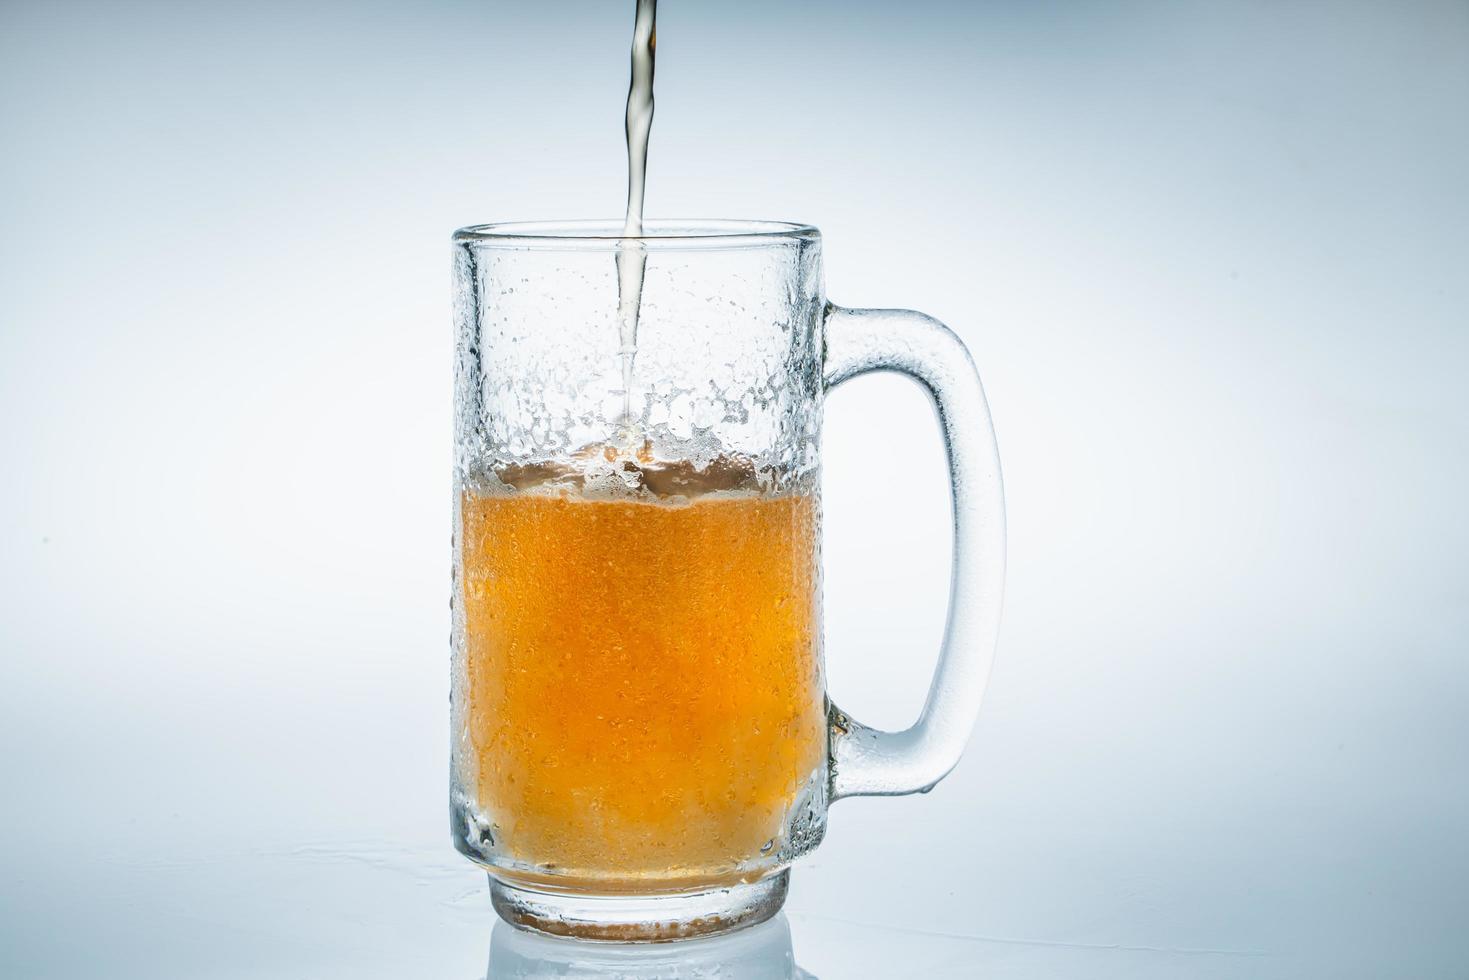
x=643, y=679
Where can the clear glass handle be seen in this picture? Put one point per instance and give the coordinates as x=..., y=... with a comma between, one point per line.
x=865, y=761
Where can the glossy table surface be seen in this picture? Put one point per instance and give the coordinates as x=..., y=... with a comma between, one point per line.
x=362, y=910
x=207, y=902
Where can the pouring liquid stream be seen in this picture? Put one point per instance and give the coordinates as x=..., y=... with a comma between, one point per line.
x=632, y=256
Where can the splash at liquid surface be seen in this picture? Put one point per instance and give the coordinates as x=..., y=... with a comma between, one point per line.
x=619, y=473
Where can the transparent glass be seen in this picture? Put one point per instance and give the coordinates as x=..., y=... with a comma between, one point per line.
x=642, y=741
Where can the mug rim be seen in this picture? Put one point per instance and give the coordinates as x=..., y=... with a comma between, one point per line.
x=657, y=233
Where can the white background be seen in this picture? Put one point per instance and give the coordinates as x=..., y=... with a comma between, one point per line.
x=1212, y=259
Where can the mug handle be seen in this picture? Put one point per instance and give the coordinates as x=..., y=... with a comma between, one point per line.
x=865, y=761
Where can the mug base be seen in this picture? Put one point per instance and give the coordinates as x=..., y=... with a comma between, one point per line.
x=639, y=918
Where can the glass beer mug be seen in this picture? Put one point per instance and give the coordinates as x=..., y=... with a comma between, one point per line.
x=642, y=740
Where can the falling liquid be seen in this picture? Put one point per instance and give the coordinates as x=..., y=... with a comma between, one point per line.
x=632, y=256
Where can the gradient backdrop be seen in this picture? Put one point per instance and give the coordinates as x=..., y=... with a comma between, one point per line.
x=1212, y=259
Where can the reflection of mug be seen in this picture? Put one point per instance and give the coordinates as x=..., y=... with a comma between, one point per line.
x=761, y=953
x=642, y=740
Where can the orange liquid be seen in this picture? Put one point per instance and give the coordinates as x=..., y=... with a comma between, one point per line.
x=644, y=691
